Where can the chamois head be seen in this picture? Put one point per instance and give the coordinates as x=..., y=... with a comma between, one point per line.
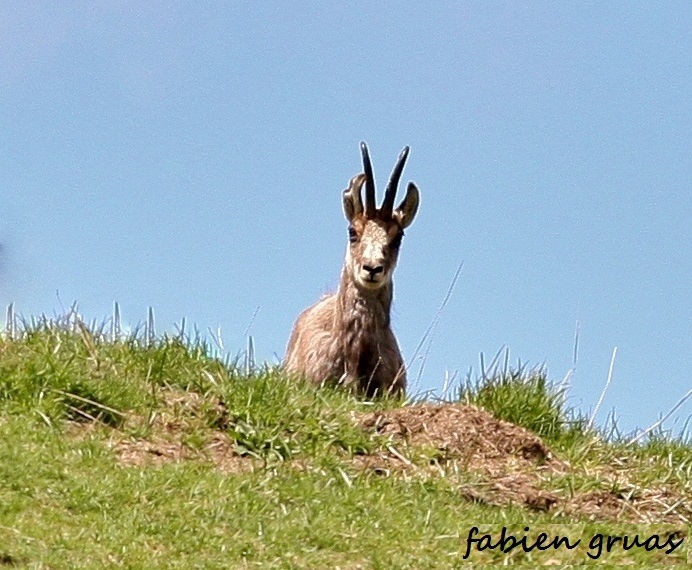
x=375, y=233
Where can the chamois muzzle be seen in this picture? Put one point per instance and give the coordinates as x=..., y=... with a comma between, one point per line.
x=372, y=271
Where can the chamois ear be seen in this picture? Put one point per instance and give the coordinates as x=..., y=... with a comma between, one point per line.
x=349, y=210
x=353, y=204
x=406, y=211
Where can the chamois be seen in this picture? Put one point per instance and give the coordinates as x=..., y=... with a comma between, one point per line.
x=345, y=338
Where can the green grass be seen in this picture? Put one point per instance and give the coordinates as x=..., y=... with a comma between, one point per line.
x=527, y=399
x=122, y=455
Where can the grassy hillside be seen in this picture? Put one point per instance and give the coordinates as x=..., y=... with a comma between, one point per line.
x=122, y=455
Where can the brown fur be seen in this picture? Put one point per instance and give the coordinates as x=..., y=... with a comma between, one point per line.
x=346, y=338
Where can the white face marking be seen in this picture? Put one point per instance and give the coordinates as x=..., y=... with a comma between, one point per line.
x=371, y=260
x=375, y=240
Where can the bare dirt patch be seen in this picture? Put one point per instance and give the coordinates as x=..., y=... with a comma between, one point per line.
x=645, y=506
x=460, y=432
x=219, y=451
x=456, y=438
x=489, y=460
x=189, y=427
x=513, y=465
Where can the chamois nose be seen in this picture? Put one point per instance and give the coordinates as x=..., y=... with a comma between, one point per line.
x=373, y=269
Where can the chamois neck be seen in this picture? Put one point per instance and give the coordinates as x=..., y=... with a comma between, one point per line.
x=370, y=308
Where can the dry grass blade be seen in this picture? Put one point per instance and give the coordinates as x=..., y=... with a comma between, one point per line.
x=605, y=388
x=90, y=402
x=433, y=324
x=651, y=428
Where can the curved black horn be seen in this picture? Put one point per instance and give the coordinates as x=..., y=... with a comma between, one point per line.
x=369, y=182
x=393, y=184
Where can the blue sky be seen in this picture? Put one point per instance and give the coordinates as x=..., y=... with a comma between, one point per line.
x=190, y=156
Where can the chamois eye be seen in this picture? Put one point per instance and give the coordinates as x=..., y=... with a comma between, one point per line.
x=352, y=234
x=396, y=242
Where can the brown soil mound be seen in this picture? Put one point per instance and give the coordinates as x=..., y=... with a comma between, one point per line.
x=185, y=412
x=488, y=460
x=461, y=432
x=511, y=464
x=220, y=451
x=457, y=438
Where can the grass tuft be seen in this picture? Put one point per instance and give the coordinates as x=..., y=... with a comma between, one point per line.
x=527, y=399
